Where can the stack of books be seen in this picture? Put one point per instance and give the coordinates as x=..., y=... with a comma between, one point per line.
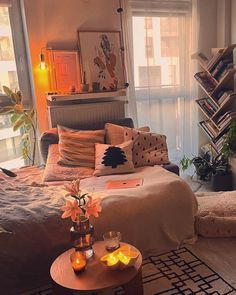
x=224, y=120
x=208, y=106
x=207, y=82
x=210, y=128
x=213, y=62
x=221, y=69
x=224, y=95
x=218, y=144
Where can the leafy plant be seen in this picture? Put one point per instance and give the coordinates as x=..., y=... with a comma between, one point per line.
x=24, y=119
x=206, y=166
x=229, y=147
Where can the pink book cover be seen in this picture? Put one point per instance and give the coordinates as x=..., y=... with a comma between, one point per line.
x=124, y=183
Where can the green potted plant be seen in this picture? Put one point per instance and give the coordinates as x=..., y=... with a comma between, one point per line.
x=24, y=119
x=208, y=168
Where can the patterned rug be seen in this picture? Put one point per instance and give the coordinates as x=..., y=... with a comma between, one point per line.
x=175, y=273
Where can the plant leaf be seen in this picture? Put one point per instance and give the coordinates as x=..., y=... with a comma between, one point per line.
x=7, y=91
x=18, y=124
x=6, y=110
x=15, y=117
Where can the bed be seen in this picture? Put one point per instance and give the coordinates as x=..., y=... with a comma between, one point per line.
x=155, y=217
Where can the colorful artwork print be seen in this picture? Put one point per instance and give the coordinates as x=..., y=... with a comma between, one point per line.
x=102, y=59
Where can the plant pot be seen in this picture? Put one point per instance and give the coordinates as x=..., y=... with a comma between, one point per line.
x=222, y=182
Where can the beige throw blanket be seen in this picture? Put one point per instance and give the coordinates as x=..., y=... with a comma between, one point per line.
x=155, y=217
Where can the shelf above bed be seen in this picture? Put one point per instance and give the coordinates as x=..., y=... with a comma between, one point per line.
x=86, y=95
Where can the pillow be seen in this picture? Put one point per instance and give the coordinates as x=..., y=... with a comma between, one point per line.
x=55, y=172
x=113, y=159
x=115, y=133
x=77, y=148
x=148, y=148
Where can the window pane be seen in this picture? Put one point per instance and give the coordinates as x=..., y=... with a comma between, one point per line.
x=8, y=74
x=156, y=51
x=10, y=147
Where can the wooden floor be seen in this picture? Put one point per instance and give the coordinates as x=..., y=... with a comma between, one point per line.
x=219, y=254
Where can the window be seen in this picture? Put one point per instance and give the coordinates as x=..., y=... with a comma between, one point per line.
x=162, y=73
x=7, y=58
x=14, y=74
x=160, y=50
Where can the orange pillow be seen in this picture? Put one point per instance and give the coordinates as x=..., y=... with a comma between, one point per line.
x=148, y=148
x=77, y=148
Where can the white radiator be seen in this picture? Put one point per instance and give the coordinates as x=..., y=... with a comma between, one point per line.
x=86, y=115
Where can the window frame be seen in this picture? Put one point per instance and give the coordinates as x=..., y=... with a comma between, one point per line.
x=20, y=52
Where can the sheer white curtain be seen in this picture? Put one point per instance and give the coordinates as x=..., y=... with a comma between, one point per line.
x=163, y=37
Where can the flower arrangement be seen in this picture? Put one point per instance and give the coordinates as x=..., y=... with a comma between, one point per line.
x=83, y=206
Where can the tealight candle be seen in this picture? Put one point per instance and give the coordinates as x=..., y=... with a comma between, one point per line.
x=78, y=261
x=121, y=258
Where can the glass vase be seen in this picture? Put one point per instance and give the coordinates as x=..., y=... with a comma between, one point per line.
x=82, y=237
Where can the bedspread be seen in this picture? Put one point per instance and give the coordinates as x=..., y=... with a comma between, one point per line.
x=157, y=216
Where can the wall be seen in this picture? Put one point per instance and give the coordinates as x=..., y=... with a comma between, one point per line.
x=54, y=24
x=207, y=39
x=233, y=21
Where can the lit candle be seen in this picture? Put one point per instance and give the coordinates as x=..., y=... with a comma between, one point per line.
x=120, y=259
x=78, y=261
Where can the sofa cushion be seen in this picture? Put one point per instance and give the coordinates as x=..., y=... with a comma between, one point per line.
x=113, y=159
x=148, y=148
x=77, y=148
x=115, y=133
x=51, y=136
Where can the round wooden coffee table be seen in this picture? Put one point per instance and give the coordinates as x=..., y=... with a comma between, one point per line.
x=96, y=277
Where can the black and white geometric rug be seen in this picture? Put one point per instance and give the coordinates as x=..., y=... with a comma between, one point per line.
x=178, y=272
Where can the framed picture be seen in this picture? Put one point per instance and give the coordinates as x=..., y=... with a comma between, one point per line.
x=64, y=70
x=102, y=59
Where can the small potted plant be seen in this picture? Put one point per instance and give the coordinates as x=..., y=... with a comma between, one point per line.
x=208, y=168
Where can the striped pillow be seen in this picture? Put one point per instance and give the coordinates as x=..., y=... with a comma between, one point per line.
x=77, y=148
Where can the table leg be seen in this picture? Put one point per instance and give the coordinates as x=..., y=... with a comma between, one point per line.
x=135, y=286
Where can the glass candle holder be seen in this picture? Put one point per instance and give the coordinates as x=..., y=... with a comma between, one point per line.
x=78, y=261
x=112, y=240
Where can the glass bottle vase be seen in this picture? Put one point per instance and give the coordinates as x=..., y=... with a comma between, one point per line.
x=82, y=236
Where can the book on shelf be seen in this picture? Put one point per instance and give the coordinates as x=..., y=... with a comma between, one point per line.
x=204, y=127
x=227, y=121
x=225, y=73
x=214, y=60
x=207, y=82
x=227, y=94
x=202, y=58
x=206, y=106
x=225, y=116
x=221, y=67
x=212, y=128
x=218, y=144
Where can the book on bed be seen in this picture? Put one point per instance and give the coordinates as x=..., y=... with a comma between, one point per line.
x=124, y=183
